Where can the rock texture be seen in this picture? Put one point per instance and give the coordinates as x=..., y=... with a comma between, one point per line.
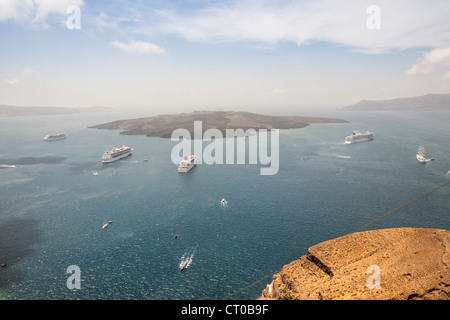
x=409, y=263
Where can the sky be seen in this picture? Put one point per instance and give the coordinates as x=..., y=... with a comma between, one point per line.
x=162, y=56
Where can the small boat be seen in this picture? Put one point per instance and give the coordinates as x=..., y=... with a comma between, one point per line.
x=183, y=265
x=104, y=225
x=421, y=158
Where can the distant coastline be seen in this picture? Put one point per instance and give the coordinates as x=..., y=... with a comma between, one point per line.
x=164, y=125
x=17, y=111
x=426, y=102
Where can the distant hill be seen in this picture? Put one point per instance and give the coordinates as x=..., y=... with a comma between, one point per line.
x=426, y=102
x=164, y=125
x=15, y=111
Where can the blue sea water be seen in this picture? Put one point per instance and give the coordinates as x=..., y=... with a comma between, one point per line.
x=53, y=206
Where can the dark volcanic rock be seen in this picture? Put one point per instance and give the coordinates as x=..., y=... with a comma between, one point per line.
x=164, y=125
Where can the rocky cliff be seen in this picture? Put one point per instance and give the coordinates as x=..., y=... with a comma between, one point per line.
x=403, y=264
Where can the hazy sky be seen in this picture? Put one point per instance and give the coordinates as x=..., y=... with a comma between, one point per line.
x=202, y=54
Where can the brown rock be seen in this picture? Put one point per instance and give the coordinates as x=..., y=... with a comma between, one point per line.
x=410, y=263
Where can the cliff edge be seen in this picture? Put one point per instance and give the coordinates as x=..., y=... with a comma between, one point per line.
x=399, y=264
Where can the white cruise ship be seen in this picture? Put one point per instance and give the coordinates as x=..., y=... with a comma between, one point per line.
x=53, y=137
x=359, y=137
x=186, y=164
x=116, y=153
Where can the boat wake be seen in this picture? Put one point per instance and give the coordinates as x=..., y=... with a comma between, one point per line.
x=186, y=259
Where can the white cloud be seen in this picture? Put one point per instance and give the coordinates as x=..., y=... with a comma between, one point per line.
x=28, y=71
x=11, y=82
x=446, y=76
x=432, y=60
x=18, y=10
x=404, y=24
x=138, y=47
x=104, y=22
x=34, y=12
x=279, y=91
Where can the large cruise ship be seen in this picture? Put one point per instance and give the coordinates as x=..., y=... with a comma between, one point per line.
x=186, y=164
x=359, y=137
x=53, y=137
x=116, y=153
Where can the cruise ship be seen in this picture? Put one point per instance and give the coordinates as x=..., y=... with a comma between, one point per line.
x=186, y=164
x=53, y=137
x=116, y=153
x=359, y=137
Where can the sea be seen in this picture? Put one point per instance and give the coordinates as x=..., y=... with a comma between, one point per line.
x=56, y=196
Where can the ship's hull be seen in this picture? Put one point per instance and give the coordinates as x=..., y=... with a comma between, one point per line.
x=421, y=158
x=54, y=138
x=186, y=164
x=112, y=158
x=116, y=158
x=360, y=137
x=186, y=168
x=358, y=140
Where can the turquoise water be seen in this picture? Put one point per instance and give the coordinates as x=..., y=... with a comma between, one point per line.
x=52, y=207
